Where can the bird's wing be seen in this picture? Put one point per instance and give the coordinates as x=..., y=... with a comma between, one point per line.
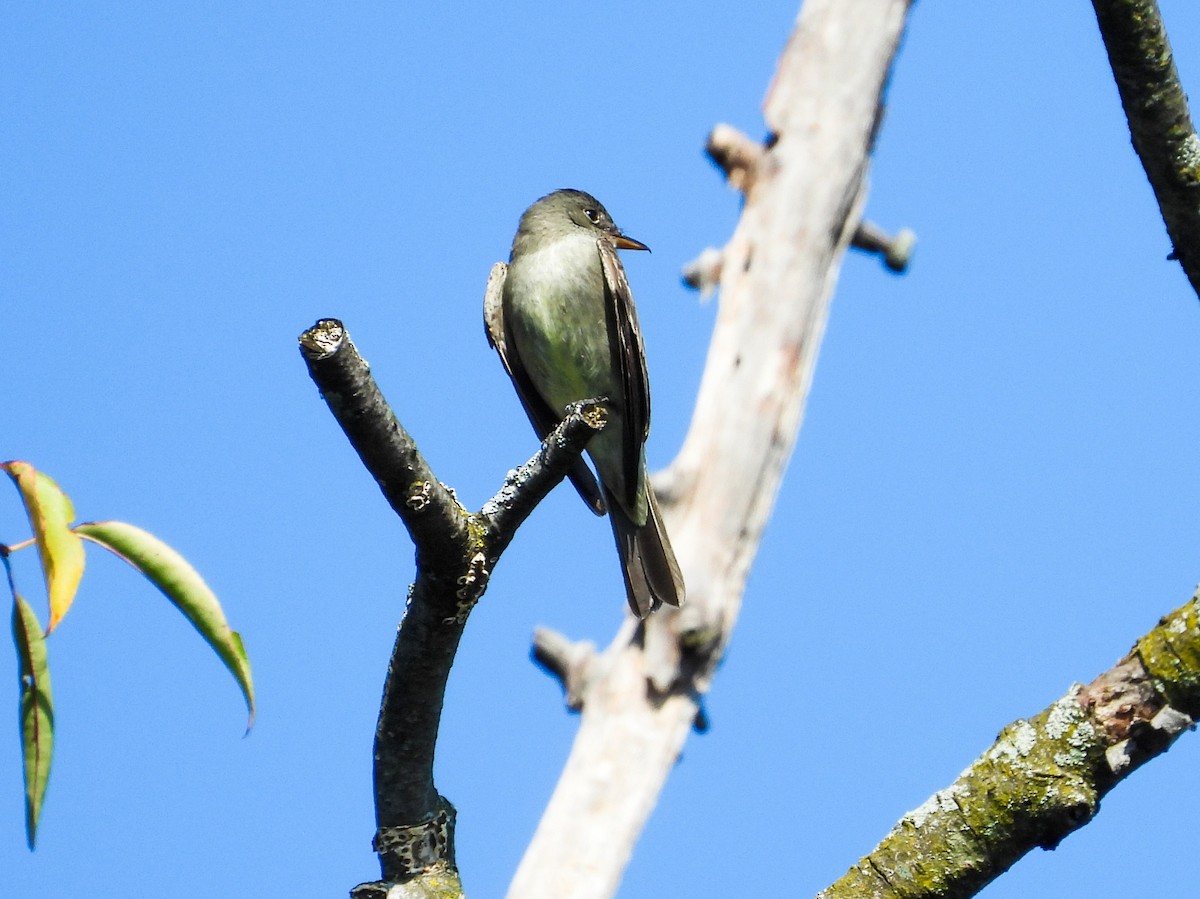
x=541, y=416
x=630, y=360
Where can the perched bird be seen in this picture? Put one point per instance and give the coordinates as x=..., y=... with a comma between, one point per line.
x=566, y=330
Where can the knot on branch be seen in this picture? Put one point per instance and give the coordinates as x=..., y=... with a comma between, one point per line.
x=418, y=495
x=1070, y=803
x=404, y=852
x=470, y=588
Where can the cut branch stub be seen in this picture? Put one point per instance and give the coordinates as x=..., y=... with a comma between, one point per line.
x=735, y=154
x=896, y=250
x=568, y=661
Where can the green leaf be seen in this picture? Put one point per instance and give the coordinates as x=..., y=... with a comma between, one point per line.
x=178, y=580
x=50, y=515
x=37, y=710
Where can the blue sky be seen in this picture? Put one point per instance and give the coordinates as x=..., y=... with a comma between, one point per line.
x=992, y=496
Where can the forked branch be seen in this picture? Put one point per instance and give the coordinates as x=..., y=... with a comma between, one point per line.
x=456, y=552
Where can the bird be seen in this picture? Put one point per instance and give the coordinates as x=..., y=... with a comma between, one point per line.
x=566, y=330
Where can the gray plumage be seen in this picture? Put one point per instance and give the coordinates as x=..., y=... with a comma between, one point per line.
x=566, y=330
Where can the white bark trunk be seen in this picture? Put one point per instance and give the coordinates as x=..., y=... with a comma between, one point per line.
x=803, y=198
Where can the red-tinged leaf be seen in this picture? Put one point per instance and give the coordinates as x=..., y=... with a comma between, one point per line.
x=178, y=580
x=50, y=515
x=37, y=710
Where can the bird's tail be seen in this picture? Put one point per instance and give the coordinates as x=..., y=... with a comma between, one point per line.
x=652, y=574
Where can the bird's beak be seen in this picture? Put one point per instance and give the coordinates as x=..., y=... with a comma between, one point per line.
x=628, y=243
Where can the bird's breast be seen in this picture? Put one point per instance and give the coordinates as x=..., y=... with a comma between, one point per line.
x=555, y=315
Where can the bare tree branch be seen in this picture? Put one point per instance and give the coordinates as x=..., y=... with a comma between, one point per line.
x=804, y=189
x=1159, y=121
x=431, y=514
x=1044, y=777
x=896, y=249
x=456, y=552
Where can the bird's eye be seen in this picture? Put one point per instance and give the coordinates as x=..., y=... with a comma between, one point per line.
x=592, y=214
